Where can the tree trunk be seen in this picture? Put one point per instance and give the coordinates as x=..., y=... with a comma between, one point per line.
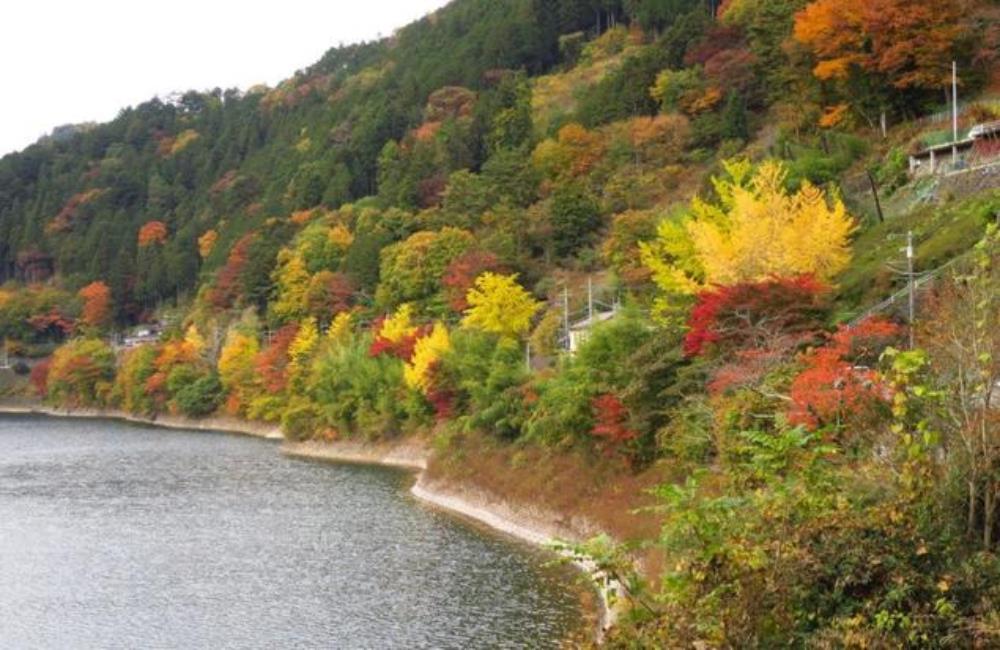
x=988, y=508
x=970, y=522
x=878, y=204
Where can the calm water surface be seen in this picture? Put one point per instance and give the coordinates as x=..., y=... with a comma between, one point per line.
x=119, y=536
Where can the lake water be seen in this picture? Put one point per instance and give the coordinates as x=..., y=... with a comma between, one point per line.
x=114, y=535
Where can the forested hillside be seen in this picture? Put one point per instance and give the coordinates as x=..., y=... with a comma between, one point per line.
x=638, y=234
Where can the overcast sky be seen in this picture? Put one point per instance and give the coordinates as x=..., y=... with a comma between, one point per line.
x=69, y=61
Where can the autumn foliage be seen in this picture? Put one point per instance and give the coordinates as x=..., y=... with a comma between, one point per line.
x=779, y=311
x=68, y=215
x=206, y=243
x=498, y=304
x=39, y=376
x=837, y=384
x=396, y=335
x=461, y=275
x=272, y=362
x=422, y=371
x=96, y=304
x=757, y=230
x=81, y=373
x=611, y=420
x=911, y=43
x=227, y=283
x=152, y=232
x=52, y=323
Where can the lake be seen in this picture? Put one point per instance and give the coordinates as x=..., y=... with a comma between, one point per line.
x=115, y=535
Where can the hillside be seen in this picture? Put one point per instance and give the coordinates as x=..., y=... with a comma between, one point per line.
x=607, y=255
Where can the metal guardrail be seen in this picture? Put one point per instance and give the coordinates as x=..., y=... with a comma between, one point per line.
x=903, y=294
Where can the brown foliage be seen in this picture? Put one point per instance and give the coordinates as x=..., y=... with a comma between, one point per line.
x=63, y=222
x=910, y=42
x=152, y=232
x=96, y=304
x=461, y=274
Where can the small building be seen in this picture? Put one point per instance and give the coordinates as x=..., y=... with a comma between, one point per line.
x=978, y=147
x=141, y=335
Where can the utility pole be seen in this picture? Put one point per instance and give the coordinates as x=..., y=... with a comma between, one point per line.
x=527, y=355
x=566, y=315
x=590, y=300
x=954, y=113
x=911, y=284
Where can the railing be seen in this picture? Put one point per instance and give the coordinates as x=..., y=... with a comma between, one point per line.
x=902, y=296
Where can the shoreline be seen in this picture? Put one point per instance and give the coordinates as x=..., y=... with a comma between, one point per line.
x=220, y=424
x=531, y=525
x=528, y=524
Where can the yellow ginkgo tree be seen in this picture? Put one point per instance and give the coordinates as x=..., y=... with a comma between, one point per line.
x=300, y=351
x=427, y=353
x=758, y=229
x=340, y=328
x=499, y=305
x=292, y=281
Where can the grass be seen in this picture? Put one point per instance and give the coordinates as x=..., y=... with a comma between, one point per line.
x=941, y=232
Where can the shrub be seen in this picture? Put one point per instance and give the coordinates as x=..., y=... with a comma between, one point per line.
x=563, y=409
x=39, y=377
x=137, y=366
x=301, y=419
x=81, y=373
x=357, y=392
x=758, y=315
x=200, y=397
x=488, y=378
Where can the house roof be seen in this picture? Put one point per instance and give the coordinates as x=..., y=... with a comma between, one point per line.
x=946, y=147
x=587, y=323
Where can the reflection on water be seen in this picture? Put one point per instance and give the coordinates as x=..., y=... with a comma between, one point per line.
x=114, y=535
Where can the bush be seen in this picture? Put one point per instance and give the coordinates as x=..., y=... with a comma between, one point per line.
x=893, y=172
x=200, y=397
x=356, y=392
x=301, y=420
x=563, y=410
x=137, y=366
x=489, y=379
x=575, y=217
x=82, y=373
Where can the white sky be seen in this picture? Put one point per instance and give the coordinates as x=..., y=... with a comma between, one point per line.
x=70, y=61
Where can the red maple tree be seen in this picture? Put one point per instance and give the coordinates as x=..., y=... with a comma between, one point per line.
x=611, y=420
x=39, y=376
x=756, y=315
x=271, y=363
x=837, y=384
